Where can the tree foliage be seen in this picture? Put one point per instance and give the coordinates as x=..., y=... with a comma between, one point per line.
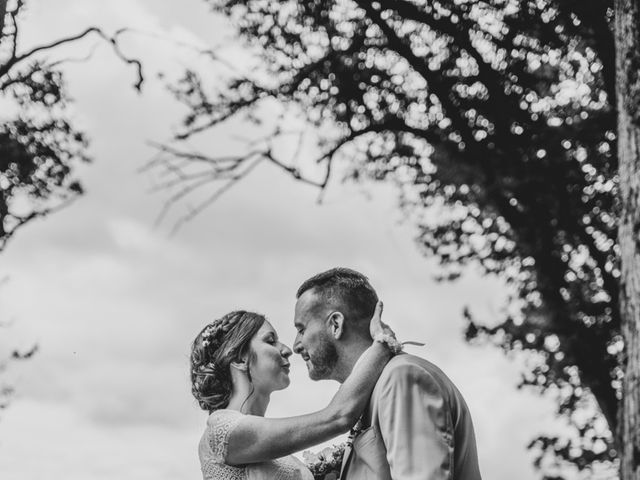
x=39, y=145
x=499, y=115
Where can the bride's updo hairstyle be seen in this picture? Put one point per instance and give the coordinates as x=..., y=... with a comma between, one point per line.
x=223, y=341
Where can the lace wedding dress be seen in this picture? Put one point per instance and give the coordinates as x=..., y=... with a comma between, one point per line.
x=213, y=450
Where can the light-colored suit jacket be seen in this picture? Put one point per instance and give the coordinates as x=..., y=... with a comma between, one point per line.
x=417, y=427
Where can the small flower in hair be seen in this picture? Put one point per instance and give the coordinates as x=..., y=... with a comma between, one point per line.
x=217, y=327
x=209, y=333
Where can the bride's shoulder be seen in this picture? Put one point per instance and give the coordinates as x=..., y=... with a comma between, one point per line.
x=215, y=439
x=223, y=421
x=223, y=415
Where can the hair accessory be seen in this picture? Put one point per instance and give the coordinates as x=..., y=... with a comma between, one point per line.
x=217, y=329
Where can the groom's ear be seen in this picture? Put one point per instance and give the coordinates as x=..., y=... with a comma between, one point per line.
x=336, y=325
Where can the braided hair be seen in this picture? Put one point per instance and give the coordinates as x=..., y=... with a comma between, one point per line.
x=223, y=341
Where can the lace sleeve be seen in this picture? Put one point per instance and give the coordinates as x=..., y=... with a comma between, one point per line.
x=221, y=423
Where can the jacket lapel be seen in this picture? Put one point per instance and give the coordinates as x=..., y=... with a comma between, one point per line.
x=348, y=449
x=346, y=457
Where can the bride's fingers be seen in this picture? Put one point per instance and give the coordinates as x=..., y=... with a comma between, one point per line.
x=376, y=325
x=377, y=313
x=379, y=308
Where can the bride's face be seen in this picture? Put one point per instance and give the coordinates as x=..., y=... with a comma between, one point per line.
x=270, y=360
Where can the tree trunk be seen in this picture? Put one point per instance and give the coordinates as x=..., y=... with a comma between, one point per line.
x=627, y=30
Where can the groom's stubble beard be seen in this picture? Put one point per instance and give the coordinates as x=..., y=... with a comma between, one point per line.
x=323, y=362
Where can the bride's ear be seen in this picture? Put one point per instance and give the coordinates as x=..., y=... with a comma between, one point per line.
x=336, y=325
x=240, y=364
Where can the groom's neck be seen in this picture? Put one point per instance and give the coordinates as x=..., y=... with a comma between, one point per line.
x=349, y=355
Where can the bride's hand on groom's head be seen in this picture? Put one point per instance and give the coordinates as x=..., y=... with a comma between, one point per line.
x=376, y=325
x=381, y=332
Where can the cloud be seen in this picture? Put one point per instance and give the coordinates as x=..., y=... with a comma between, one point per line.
x=51, y=441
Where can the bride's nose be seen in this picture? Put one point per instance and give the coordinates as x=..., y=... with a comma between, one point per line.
x=285, y=351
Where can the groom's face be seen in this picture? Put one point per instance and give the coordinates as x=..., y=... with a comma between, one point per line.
x=313, y=341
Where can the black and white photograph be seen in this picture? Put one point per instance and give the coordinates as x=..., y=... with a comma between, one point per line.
x=320, y=240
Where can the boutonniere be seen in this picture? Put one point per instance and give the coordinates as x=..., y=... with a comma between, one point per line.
x=326, y=464
x=355, y=431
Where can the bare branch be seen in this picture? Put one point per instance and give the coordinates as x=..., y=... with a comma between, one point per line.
x=202, y=206
x=294, y=172
x=212, y=53
x=193, y=181
x=23, y=77
x=233, y=109
x=226, y=167
x=191, y=156
x=221, y=169
x=83, y=59
x=113, y=40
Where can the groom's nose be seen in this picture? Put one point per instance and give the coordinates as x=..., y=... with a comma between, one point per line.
x=297, y=346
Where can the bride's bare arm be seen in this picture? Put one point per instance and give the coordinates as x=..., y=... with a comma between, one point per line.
x=257, y=439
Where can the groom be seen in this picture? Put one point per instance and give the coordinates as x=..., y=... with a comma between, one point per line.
x=417, y=425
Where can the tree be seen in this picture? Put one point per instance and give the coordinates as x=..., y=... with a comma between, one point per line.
x=501, y=114
x=627, y=37
x=39, y=146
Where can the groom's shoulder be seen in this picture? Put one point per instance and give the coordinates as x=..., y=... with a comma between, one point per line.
x=407, y=360
x=407, y=365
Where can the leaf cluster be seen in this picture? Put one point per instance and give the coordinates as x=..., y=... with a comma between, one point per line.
x=38, y=144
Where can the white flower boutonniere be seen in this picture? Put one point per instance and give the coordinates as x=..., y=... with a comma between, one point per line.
x=326, y=464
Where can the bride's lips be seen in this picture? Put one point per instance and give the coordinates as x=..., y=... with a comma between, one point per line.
x=286, y=367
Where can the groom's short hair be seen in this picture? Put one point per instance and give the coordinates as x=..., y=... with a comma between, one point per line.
x=347, y=289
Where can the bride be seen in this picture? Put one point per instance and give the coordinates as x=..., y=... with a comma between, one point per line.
x=237, y=361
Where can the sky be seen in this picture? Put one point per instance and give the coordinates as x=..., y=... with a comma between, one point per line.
x=113, y=299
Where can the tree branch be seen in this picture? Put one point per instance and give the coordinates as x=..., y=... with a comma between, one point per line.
x=216, y=194
x=113, y=40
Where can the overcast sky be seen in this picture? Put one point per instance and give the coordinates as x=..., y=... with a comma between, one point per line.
x=114, y=300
